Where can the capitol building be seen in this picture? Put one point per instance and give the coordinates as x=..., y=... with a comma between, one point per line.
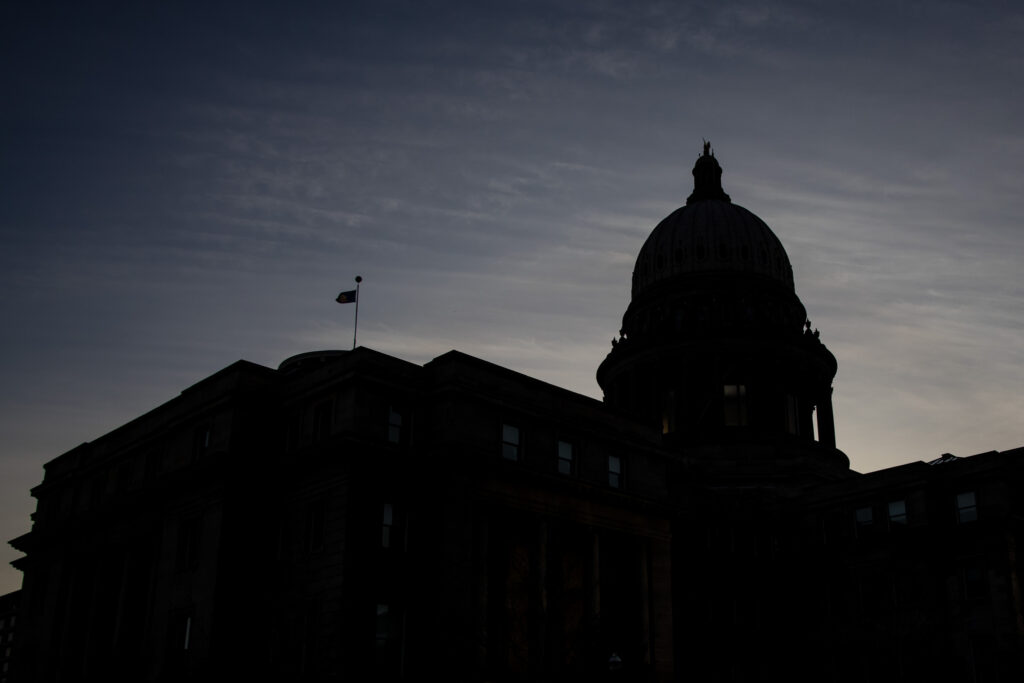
x=349, y=515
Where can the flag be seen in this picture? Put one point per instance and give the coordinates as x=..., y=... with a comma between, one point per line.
x=346, y=297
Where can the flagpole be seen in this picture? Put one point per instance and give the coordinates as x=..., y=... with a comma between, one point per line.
x=355, y=327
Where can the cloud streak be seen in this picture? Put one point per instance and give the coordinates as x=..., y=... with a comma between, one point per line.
x=184, y=190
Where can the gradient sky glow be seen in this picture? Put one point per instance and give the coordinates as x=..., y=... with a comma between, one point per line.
x=181, y=188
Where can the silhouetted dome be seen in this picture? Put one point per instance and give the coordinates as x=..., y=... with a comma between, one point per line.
x=710, y=234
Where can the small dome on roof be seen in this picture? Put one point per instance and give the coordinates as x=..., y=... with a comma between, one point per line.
x=710, y=234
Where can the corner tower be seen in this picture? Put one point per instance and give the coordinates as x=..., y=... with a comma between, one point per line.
x=715, y=349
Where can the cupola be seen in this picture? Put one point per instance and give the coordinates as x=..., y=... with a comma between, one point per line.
x=715, y=349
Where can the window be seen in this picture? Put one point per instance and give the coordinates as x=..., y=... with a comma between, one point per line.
x=322, y=418
x=187, y=639
x=966, y=507
x=187, y=554
x=394, y=426
x=668, y=416
x=509, y=442
x=124, y=477
x=388, y=523
x=294, y=435
x=384, y=625
x=735, y=405
x=614, y=471
x=181, y=629
x=201, y=440
x=388, y=639
x=975, y=580
x=566, y=461
x=792, y=415
x=864, y=517
x=315, y=527
x=898, y=513
x=154, y=461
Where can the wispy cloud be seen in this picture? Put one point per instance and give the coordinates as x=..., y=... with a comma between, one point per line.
x=184, y=191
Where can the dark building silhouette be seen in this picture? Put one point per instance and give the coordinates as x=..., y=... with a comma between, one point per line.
x=8, y=625
x=353, y=514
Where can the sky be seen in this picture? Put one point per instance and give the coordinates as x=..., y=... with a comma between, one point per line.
x=184, y=185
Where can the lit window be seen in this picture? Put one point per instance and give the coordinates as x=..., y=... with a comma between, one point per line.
x=566, y=464
x=509, y=442
x=388, y=524
x=668, y=417
x=735, y=405
x=966, y=507
x=898, y=512
x=394, y=426
x=864, y=517
x=614, y=471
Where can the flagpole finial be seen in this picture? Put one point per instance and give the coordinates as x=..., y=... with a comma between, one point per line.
x=359, y=278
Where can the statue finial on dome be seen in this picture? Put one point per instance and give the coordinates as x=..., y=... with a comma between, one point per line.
x=707, y=177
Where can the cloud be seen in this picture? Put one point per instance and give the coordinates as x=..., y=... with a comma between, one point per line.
x=185, y=191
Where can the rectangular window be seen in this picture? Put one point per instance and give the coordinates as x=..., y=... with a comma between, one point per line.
x=322, y=419
x=394, y=426
x=668, y=415
x=124, y=477
x=614, y=471
x=975, y=580
x=187, y=553
x=201, y=440
x=315, y=527
x=864, y=517
x=735, y=405
x=153, y=463
x=384, y=625
x=509, y=442
x=294, y=435
x=388, y=523
x=898, y=513
x=966, y=507
x=792, y=415
x=180, y=632
x=566, y=461
x=388, y=639
x=187, y=633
